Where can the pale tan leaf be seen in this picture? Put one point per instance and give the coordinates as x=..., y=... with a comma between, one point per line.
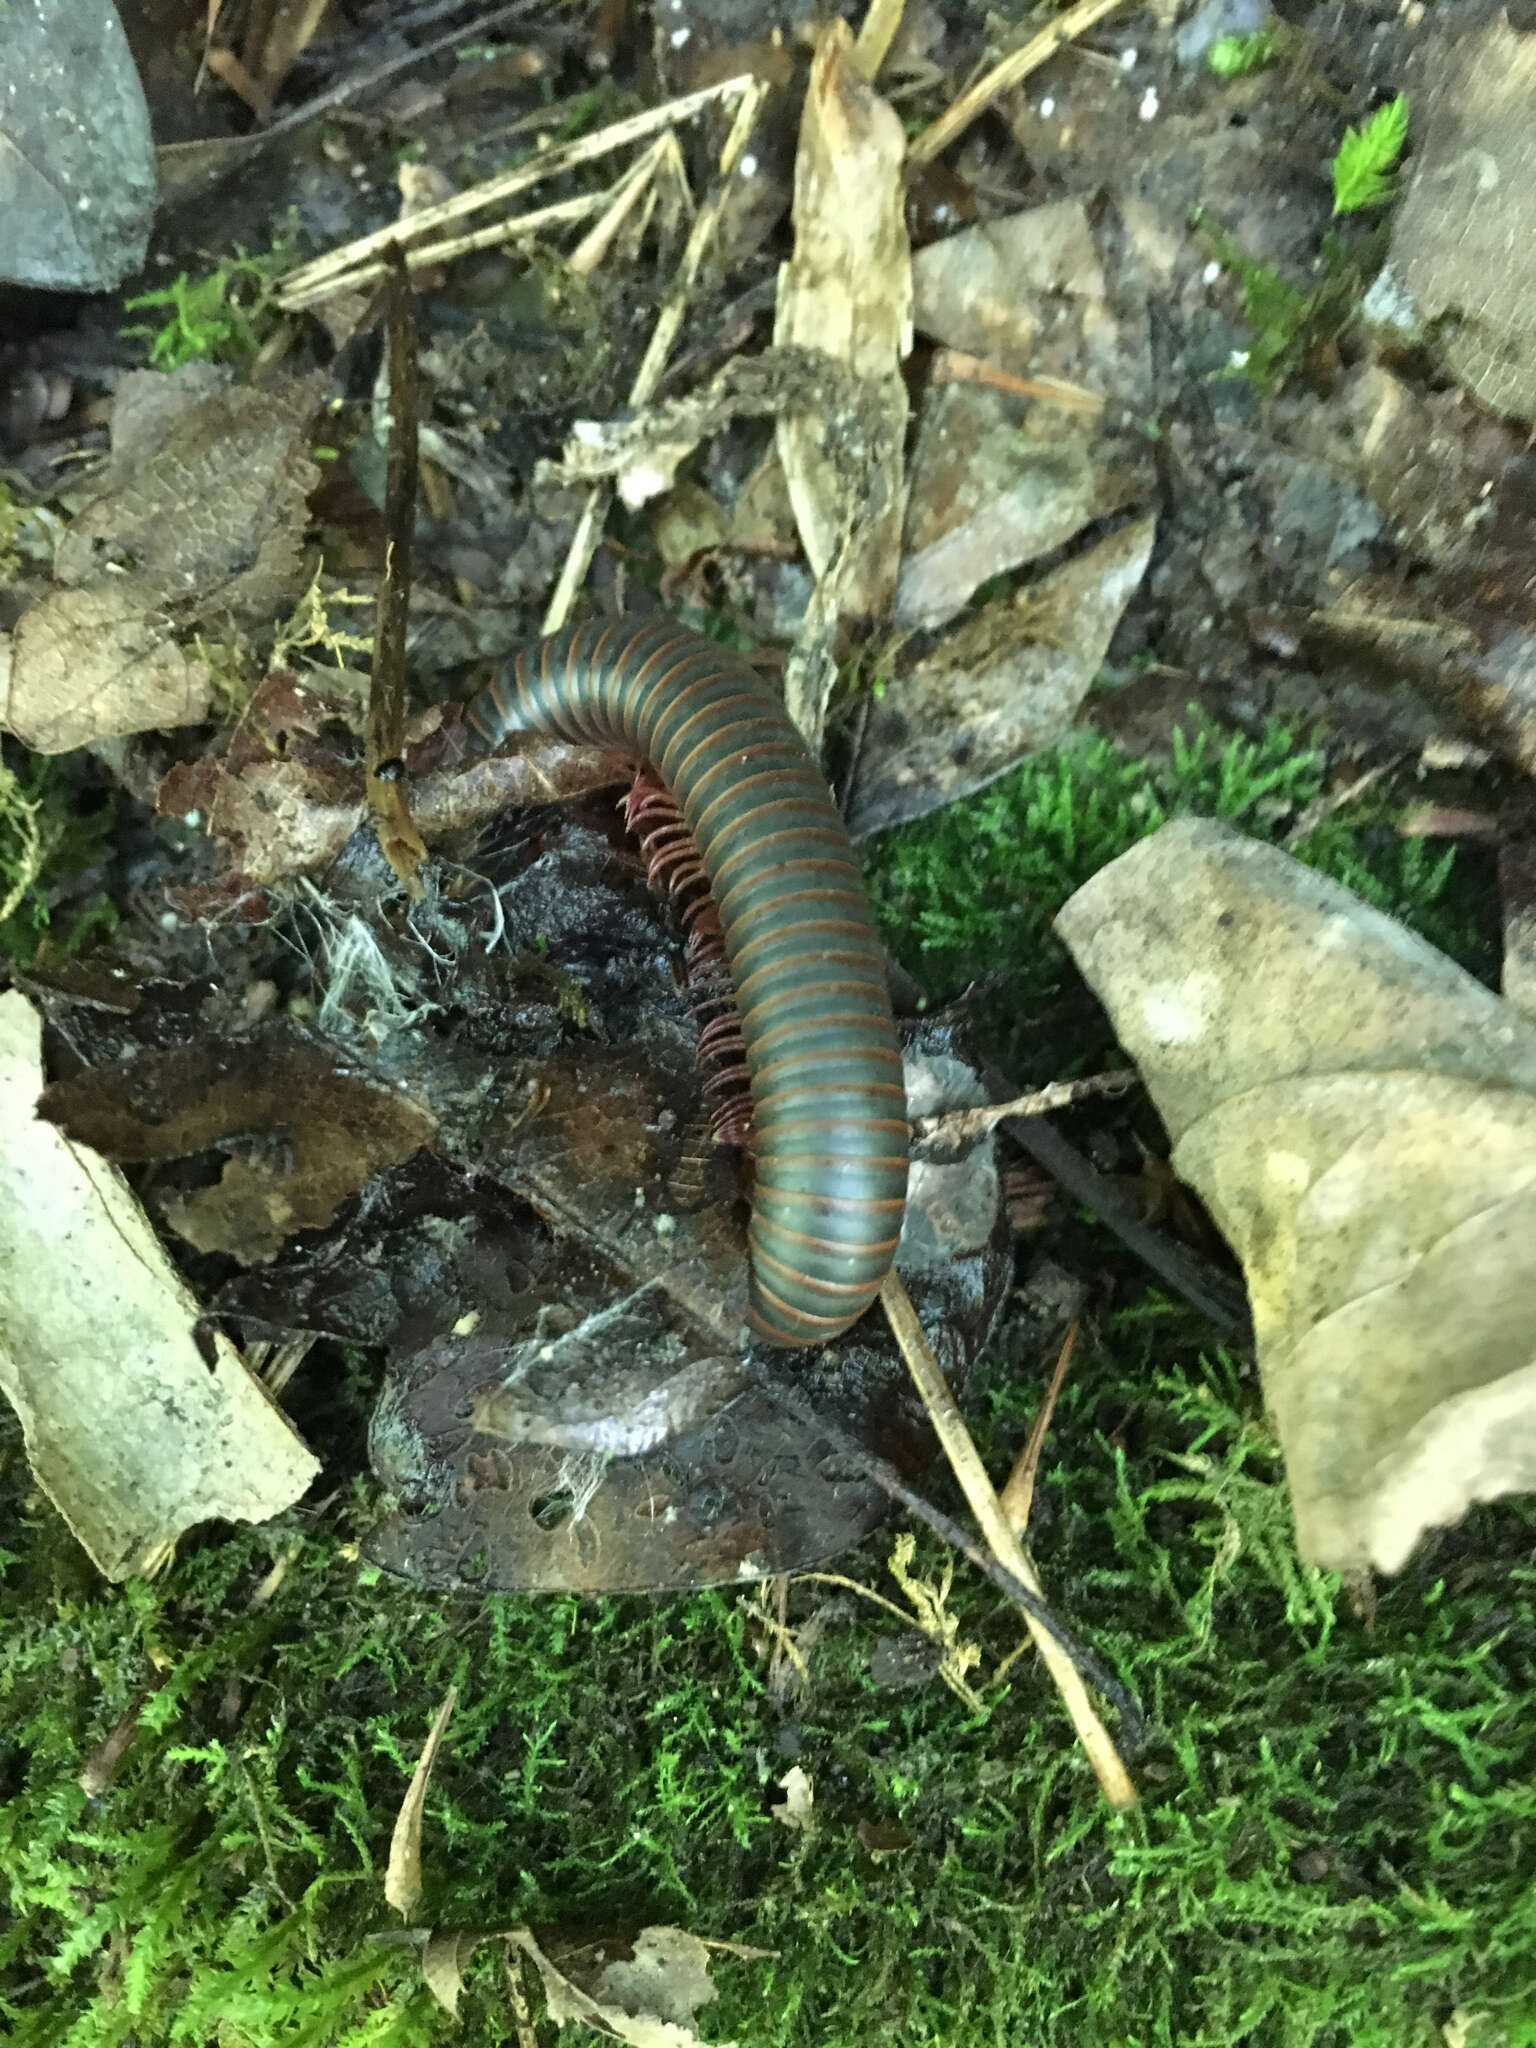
x=402, y=1880
x=127, y=1429
x=1359, y=1115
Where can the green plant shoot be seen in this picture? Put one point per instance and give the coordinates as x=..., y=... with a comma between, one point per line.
x=1362, y=169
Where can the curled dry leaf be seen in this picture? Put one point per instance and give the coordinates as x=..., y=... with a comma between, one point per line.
x=648, y=1994
x=132, y=1435
x=402, y=1879
x=1360, y=1117
x=796, y=1809
x=1005, y=684
x=198, y=526
x=847, y=291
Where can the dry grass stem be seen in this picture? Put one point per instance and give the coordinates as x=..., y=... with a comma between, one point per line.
x=1012, y=71
x=334, y=272
x=705, y=223
x=965, y=1462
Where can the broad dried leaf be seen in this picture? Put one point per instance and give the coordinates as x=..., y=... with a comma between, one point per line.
x=648, y=1997
x=198, y=526
x=847, y=291
x=1006, y=683
x=316, y=1132
x=1463, y=235
x=1360, y=1117
x=131, y=1434
x=97, y=664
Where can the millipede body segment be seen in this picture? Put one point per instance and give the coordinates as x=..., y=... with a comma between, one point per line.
x=828, y=1106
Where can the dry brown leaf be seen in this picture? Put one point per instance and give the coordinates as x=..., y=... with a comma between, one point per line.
x=98, y=664
x=443, y=1962
x=402, y=1879
x=648, y=1997
x=1006, y=683
x=128, y=1430
x=332, y=1130
x=847, y=291
x=199, y=525
x=1359, y=1115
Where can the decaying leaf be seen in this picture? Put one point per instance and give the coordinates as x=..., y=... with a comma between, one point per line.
x=197, y=527
x=132, y=1435
x=847, y=291
x=310, y=1132
x=402, y=1879
x=647, y=1995
x=1360, y=1117
x=1466, y=225
x=1005, y=684
x=796, y=1809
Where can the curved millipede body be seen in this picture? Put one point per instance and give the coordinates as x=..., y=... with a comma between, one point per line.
x=828, y=1106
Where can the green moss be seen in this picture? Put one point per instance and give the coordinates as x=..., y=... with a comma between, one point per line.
x=971, y=891
x=45, y=837
x=221, y=318
x=1336, y=1846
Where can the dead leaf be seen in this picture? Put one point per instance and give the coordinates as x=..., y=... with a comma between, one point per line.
x=647, y=1997
x=96, y=664
x=1465, y=227
x=847, y=290
x=1016, y=291
x=1005, y=684
x=796, y=1809
x=1359, y=1115
x=402, y=1879
x=314, y=1130
x=198, y=526
x=129, y=1431
x=444, y=1960
x=882, y=1840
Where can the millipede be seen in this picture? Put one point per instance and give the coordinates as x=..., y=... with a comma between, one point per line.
x=828, y=1109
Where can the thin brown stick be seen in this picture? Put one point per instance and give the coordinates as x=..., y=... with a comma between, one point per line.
x=965, y=1461
x=400, y=841
x=1013, y=69
x=1211, y=1291
x=952, y=1128
x=1018, y=1496
x=954, y=366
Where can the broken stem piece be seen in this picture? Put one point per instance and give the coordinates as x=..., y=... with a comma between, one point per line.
x=1012, y=71
x=965, y=1461
x=595, y=512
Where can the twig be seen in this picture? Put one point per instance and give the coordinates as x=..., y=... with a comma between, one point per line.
x=1018, y=1496
x=954, y=366
x=877, y=33
x=1013, y=1588
x=965, y=1460
x=590, y=525
x=1013, y=69
x=300, y=287
x=1210, y=1291
x=952, y=1128
x=399, y=840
